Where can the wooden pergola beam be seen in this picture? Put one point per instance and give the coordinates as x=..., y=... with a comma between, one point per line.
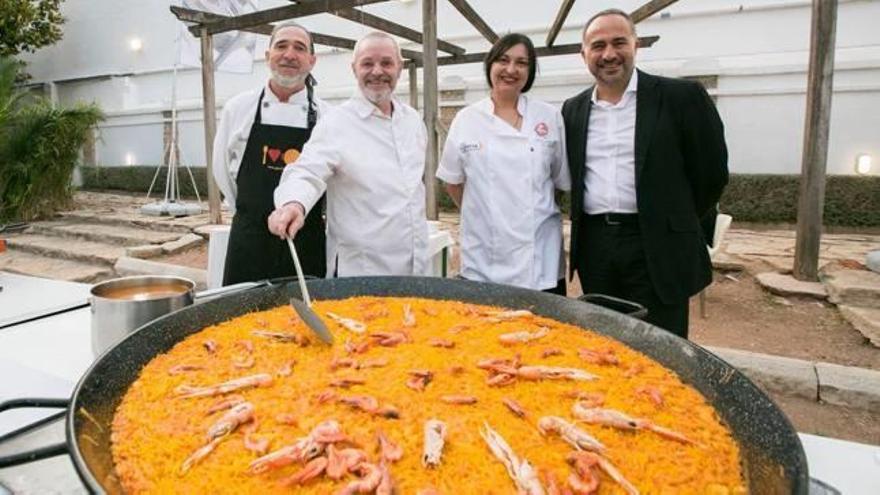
x=476, y=21
x=649, y=9
x=301, y=9
x=640, y=14
x=564, y=9
x=348, y=43
x=200, y=17
x=389, y=27
x=544, y=51
x=190, y=15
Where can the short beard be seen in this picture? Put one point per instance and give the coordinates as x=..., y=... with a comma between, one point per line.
x=289, y=82
x=377, y=97
x=622, y=78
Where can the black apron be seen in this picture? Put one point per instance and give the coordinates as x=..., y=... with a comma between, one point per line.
x=254, y=253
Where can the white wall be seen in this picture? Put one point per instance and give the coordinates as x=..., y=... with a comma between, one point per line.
x=758, y=49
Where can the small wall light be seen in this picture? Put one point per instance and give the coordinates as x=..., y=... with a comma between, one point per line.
x=863, y=164
x=129, y=159
x=136, y=44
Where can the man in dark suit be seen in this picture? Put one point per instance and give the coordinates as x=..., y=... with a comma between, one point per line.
x=648, y=161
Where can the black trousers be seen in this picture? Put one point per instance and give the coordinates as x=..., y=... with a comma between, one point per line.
x=613, y=263
x=561, y=288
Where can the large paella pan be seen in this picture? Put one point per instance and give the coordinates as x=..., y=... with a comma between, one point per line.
x=772, y=458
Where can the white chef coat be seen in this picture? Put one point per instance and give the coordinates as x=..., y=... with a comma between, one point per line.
x=235, y=124
x=610, y=174
x=511, y=227
x=371, y=166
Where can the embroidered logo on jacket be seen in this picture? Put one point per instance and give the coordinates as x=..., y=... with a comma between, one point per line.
x=541, y=129
x=469, y=147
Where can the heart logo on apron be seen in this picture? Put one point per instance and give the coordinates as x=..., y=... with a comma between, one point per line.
x=274, y=153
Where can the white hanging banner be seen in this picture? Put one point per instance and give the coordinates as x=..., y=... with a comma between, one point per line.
x=233, y=50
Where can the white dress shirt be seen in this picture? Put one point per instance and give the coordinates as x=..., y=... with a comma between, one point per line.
x=610, y=178
x=371, y=166
x=511, y=227
x=234, y=130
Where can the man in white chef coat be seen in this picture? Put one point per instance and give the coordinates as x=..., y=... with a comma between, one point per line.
x=368, y=154
x=260, y=131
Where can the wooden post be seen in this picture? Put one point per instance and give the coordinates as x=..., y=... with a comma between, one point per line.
x=413, y=71
x=210, y=118
x=429, y=86
x=815, y=150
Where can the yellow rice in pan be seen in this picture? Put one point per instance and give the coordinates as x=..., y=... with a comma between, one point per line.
x=155, y=430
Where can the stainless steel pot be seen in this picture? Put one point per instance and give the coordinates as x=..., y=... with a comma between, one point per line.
x=121, y=305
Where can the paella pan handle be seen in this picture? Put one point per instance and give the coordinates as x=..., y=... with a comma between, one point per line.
x=629, y=308
x=209, y=294
x=41, y=452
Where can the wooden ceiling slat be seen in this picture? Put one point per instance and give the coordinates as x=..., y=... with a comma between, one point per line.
x=564, y=9
x=649, y=9
x=389, y=27
x=190, y=15
x=476, y=21
x=544, y=51
x=301, y=9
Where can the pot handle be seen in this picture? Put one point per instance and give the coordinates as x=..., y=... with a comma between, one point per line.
x=629, y=308
x=40, y=452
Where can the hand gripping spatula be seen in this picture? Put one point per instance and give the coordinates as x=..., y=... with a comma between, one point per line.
x=304, y=307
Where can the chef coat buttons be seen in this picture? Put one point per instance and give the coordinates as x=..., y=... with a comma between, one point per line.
x=265, y=104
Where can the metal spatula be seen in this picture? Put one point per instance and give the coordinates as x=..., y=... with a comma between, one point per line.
x=304, y=308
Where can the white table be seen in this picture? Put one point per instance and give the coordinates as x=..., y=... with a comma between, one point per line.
x=47, y=356
x=853, y=468
x=23, y=297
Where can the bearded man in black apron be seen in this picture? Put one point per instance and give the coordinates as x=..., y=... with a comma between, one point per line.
x=260, y=132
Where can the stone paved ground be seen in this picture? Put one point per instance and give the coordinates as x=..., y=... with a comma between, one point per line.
x=87, y=243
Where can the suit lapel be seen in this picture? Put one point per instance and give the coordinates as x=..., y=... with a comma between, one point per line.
x=583, y=126
x=647, y=111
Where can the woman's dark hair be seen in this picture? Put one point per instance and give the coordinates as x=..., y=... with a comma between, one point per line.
x=505, y=43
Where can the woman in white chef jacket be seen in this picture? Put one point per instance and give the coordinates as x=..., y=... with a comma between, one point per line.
x=503, y=160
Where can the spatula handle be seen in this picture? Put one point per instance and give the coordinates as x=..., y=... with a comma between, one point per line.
x=299, y=274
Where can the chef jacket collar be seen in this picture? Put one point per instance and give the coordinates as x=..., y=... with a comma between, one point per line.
x=488, y=106
x=298, y=98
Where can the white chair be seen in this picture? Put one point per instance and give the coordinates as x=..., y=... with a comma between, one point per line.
x=722, y=224
x=217, y=243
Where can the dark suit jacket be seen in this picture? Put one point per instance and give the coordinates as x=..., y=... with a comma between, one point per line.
x=681, y=170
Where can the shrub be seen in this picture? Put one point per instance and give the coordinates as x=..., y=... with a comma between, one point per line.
x=850, y=201
x=38, y=149
x=137, y=179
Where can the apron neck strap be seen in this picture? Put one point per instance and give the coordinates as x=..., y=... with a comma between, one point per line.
x=259, y=117
x=312, y=114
